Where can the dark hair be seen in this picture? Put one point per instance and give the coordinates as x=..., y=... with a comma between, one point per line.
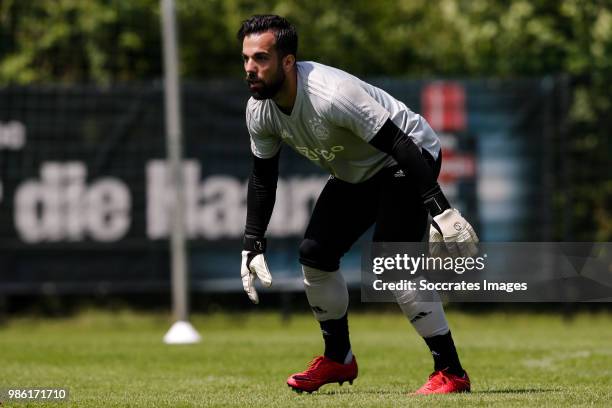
x=284, y=32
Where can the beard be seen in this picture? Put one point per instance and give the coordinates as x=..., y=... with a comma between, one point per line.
x=266, y=90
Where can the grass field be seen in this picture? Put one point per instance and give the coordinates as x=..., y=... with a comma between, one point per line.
x=118, y=360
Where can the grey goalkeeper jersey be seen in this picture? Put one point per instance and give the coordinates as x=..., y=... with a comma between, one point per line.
x=334, y=116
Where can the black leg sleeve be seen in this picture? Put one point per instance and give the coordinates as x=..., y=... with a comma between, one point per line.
x=261, y=196
x=393, y=141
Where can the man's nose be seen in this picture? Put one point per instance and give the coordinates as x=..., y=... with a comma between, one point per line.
x=250, y=67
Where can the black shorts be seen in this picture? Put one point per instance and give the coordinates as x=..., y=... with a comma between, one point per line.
x=344, y=211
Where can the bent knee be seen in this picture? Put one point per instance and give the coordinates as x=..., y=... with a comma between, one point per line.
x=315, y=255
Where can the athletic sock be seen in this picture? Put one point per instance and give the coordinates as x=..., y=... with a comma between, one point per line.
x=336, y=337
x=444, y=353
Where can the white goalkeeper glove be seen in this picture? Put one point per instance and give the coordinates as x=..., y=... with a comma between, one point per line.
x=450, y=230
x=254, y=266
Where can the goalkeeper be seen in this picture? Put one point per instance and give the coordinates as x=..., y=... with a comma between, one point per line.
x=383, y=159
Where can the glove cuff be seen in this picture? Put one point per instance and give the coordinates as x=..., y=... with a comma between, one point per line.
x=435, y=201
x=254, y=244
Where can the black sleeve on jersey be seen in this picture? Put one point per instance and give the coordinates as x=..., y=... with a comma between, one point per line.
x=261, y=195
x=393, y=141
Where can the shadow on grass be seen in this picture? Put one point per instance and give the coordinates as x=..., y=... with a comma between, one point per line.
x=517, y=391
x=384, y=392
x=356, y=391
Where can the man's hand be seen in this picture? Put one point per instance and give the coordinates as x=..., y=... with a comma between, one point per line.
x=455, y=232
x=254, y=266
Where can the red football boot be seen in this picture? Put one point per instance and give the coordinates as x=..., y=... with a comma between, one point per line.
x=442, y=382
x=321, y=371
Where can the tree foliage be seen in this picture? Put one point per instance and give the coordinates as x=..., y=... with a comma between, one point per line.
x=105, y=41
x=110, y=40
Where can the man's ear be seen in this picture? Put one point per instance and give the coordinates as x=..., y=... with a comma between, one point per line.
x=288, y=62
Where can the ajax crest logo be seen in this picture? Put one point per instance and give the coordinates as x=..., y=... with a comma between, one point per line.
x=318, y=129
